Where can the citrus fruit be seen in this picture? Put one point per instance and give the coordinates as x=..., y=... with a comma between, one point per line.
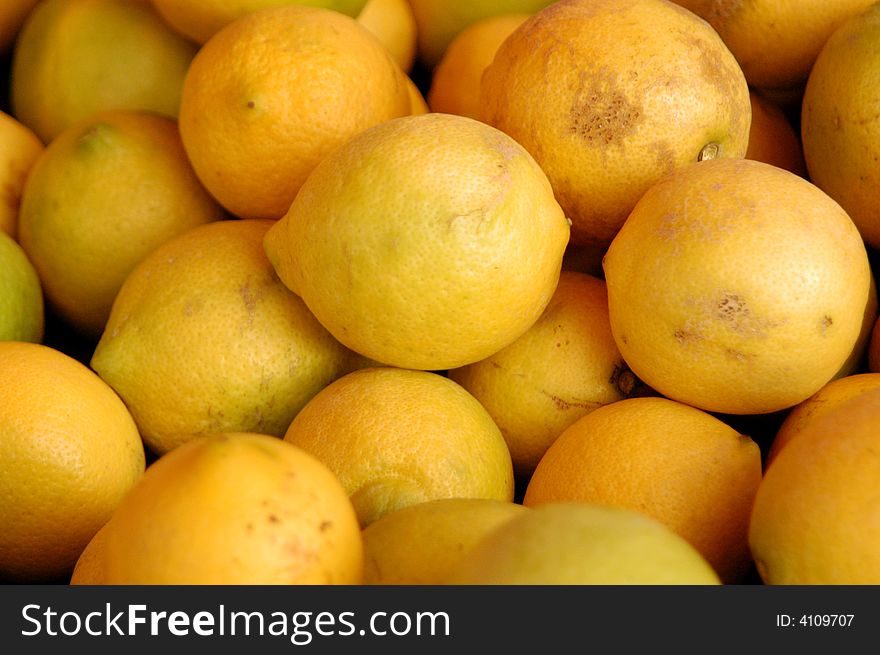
x=397, y=437
x=609, y=96
x=238, y=508
x=393, y=23
x=737, y=287
x=564, y=366
x=69, y=452
x=775, y=41
x=426, y=242
x=21, y=295
x=438, y=22
x=74, y=58
x=19, y=149
x=422, y=544
x=815, y=518
x=772, y=139
x=104, y=194
x=203, y=338
x=839, y=122
x=672, y=462
x=13, y=13
x=199, y=20
x=273, y=93
x=581, y=544
x=827, y=399
x=455, y=82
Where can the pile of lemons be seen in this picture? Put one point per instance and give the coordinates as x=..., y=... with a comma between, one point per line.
x=439, y=292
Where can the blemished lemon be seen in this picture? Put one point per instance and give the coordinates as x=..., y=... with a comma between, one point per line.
x=737, y=287
x=19, y=149
x=609, y=96
x=22, y=314
x=455, y=82
x=204, y=338
x=565, y=366
x=397, y=437
x=423, y=543
x=272, y=93
x=815, y=519
x=105, y=193
x=582, y=544
x=74, y=58
x=840, y=127
x=69, y=453
x=426, y=242
x=238, y=508
x=827, y=399
x=672, y=462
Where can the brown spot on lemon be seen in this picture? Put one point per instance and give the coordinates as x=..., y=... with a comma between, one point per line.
x=600, y=112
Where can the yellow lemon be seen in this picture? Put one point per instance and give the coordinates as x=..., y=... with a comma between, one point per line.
x=815, y=518
x=234, y=509
x=426, y=242
x=203, y=338
x=609, y=96
x=74, y=58
x=397, y=437
x=104, y=194
x=565, y=366
x=839, y=122
x=738, y=287
x=581, y=544
x=69, y=452
x=672, y=462
x=271, y=94
x=423, y=543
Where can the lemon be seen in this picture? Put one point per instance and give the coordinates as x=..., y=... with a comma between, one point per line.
x=104, y=194
x=426, y=242
x=581, y=544
x=74, y=58
x=398, y=437
x=423, y=543
x=69, y=453
x=738, y=287
x=238, y=508
x=204, y=338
